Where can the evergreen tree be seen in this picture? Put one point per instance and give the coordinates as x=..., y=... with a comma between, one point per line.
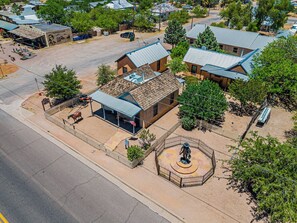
x=208, y=40
x=61, y=83
x=174, y=33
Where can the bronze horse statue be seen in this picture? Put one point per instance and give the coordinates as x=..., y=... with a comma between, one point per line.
x=186, y=151
x=75, y=116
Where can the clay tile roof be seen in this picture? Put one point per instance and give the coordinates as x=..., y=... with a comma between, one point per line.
x=154, y=90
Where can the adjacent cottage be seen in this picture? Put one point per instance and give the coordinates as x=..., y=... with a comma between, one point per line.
x=153, y=54
x=233, y=41
x=137, y=99
x=219, y=67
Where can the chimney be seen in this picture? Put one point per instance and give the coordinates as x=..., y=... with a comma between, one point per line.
x=142, y=77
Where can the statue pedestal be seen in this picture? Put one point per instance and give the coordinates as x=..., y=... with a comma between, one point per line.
x=185, y=168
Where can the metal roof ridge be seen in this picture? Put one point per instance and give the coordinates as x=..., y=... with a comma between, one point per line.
x=212, y=51
x=143, y=47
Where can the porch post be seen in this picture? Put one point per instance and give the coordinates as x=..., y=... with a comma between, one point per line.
x=103, y=112
x=133, y=126
x=92, y=112
x=118, y=117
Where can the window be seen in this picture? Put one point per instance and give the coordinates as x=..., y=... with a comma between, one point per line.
x=155, y=110
x=158, y=65
x=171, y=98
x=125, y=70
x=221, y=46
x=235, y=49
x=194, y=69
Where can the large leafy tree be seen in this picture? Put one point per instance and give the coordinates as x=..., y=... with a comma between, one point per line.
x=277, y=67
x=61, y=83
x=176, y=65
x=54, y=11
x=181, y=16
x=3, y=3
x=203, y=100
x=180, y=50
x=174, y=33
x=208, y=40
x=144, y=21
x=104, y=74
x=237, y=15
x=267, y=169
x=81, y=22
x=275, y=11
x=252, y=91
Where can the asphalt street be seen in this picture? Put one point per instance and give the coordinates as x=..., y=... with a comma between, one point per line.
x=39, y=182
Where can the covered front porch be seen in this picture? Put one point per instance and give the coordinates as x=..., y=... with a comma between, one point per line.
x=117, y=112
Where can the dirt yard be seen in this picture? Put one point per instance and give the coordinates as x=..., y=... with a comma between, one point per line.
x=6, y=69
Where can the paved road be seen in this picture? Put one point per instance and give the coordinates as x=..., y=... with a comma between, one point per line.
x=39, y=182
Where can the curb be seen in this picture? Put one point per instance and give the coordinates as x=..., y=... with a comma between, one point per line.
x=105, y=170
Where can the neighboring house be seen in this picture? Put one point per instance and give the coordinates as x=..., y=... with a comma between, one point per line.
x=95, y=4
x=219, y=67
x=27, y=17
x=119, y=4
x=163, y=10
x=42, y=35
x=233, y=41
x=137, y=99
x=153, y=54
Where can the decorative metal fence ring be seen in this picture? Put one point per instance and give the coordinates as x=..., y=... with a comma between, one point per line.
x=173, y=177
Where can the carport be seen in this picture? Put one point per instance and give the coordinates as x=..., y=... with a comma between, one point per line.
x=29, y=37
x=118, y=112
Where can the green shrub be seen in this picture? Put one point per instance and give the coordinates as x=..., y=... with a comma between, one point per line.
x=219, y=24
x=134, y=152
x=188, y=123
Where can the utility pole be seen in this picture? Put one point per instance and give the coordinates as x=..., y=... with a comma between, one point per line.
x=160, y=9
x=133, y=16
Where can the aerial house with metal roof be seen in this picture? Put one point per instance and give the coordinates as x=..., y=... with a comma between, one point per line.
x=219, y=67
x=153, y=54
x=136, y=99
x=236, y=42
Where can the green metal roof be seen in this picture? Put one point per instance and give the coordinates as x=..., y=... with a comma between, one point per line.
x=7, y=25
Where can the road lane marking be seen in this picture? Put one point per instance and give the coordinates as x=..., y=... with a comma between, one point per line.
x=3, y=219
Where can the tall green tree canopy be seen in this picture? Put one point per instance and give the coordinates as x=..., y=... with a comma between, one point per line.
x=204, y=100
x=54, y=11
x=176, y=65
x=267, y=169
x=104, y=74
x=61, y=83
x=275, y=11
x=174, y=33
x=277, y=67
x=181, y=16
x=252, y=91
x=237, y=14
x=207, y=39
x=144, y=21
x=81, y=22
x=180, y=50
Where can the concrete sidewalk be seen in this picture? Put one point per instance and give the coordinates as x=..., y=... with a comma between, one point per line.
x=177, y=205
